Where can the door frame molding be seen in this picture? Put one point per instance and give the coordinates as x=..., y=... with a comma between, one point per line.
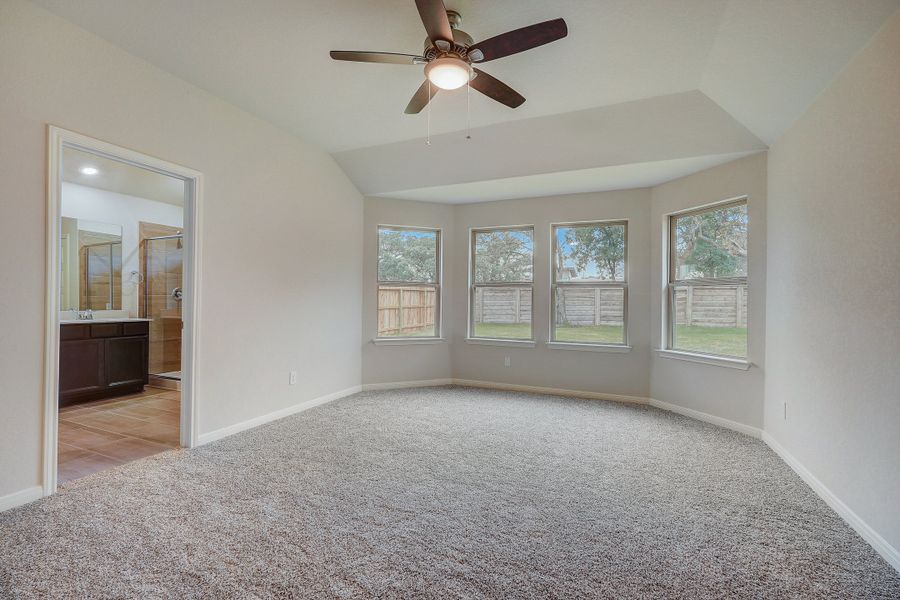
x=57, y=139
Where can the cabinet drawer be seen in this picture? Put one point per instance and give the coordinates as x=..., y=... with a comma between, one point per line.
x=74, y=332
x=105, y=330
x=137, y=328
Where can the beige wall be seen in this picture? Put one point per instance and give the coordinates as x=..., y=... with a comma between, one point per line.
x=834, y=287
x=280, y=218
x=419, y=362
x=728, y=393
x=608, y=373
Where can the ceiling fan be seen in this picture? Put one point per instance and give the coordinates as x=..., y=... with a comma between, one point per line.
x=450, y=53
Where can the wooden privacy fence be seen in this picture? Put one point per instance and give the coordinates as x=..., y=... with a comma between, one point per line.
x=502, y=305
x=590, y=306
x=711, y=306
x=405, y=310
x=580, y=306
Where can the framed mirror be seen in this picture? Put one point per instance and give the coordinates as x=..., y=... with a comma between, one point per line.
x=91, y=265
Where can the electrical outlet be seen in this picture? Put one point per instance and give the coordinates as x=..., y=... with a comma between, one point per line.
x=293, y=379
x=506, y=362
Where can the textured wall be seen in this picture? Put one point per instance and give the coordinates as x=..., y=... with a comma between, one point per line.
x=383, y=364
x=728, y=393
x=624, y=374
x=279, y=217
x=834, y=283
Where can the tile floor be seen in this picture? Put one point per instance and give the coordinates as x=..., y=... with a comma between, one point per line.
x=94, y=436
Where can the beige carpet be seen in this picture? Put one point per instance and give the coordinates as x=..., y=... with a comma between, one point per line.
x=446, y=493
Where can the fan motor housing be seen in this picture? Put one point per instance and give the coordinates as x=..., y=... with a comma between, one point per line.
x=461, y=39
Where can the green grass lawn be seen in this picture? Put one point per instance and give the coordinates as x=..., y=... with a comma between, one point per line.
x=594, y=334
x=516, y=331
x=727, y=341
x=426, y=332
x=598, y=334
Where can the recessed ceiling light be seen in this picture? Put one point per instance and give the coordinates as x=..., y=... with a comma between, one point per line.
x=89, y=170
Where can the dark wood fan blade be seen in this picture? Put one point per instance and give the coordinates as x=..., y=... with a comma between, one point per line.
x=377, y=57
x=520, y=40
x=421, y=98
x=434, y=17
x=496, y=89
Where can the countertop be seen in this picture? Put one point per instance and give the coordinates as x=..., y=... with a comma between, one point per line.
x=113, y=320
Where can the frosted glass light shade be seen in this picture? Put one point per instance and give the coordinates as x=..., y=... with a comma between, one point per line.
x=447, y=73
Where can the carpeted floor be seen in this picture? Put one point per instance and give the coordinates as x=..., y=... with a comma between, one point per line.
x=446, y=493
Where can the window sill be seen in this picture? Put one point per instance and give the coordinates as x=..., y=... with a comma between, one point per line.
x=706, y=359
x=499, y=342
x=407, y=341
x=615, y=349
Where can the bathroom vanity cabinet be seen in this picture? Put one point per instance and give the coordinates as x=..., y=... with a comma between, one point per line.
x=102, y=359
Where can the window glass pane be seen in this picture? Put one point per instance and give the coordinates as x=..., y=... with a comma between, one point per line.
x=405, y=255
x=590, y=253
x=711, y=244
x=502, y=312
x=407, y=311
x=590, y=315
x=504, y=256
x=711, y=319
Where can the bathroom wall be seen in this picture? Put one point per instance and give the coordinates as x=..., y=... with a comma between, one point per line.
x=88, y=203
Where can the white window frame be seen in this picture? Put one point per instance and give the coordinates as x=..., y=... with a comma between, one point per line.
x=473, y=286
x=738, y=362
x=438, y=303
x=555, y=285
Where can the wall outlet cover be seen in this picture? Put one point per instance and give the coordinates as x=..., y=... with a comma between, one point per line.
x=293, y=378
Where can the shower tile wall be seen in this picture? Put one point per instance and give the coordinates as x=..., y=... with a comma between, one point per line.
x=163, y=275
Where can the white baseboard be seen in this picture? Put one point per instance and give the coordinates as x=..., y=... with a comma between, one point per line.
x=512, y=387
x=21, y=497
x=397, y=385
x=218, y=434
x=755, y=432
x=881, y=545
x=533, y=389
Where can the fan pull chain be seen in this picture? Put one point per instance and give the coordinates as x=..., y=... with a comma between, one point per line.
x=428, y=117
x=469, y=105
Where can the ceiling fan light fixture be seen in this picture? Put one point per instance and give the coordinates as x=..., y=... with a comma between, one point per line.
x=448, y=73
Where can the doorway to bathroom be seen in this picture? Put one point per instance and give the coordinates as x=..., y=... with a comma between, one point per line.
x=122, y=280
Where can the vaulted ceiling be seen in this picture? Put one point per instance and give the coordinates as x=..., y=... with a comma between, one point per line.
x=715, y=78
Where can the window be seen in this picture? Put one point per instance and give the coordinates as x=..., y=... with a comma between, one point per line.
x=708, y=280
x=409, y=276
x=589, y=292
x=502, y=275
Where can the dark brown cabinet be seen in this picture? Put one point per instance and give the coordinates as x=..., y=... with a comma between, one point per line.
x=101, y=360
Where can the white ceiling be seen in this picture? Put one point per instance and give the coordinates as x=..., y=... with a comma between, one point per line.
x=122, y=178
x=762, y=61
x=601, y=179
x=676, y=126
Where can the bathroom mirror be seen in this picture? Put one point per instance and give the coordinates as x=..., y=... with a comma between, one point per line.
x=91, y=265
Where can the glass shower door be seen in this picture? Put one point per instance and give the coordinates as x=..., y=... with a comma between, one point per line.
x=162, y=303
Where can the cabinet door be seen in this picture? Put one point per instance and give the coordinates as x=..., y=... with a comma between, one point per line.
x=82, y=366
x=126, y=360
